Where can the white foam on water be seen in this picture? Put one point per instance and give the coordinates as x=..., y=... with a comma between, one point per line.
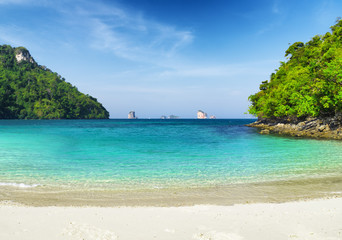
x=19, y=185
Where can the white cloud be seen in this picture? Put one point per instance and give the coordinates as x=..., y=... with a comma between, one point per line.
x=110, y=27
x=126, y=34
x=196, y=74
x=226, y=71
x=149, y=42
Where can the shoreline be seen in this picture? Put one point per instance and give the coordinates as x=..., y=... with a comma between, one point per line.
x=262, y=192
x=316, y=128
x=313, y=219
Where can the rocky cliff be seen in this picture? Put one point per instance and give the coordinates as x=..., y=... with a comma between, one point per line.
x=22, y=54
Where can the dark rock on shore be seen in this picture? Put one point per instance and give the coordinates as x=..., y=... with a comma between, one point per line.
x=325, y=128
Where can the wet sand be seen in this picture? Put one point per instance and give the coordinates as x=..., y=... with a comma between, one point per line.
x=267, y=192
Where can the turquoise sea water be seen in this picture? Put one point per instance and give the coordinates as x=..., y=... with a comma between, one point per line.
x=140, y=154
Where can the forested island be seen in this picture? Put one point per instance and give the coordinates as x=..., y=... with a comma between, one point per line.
x=32, y=91
x=304, y=95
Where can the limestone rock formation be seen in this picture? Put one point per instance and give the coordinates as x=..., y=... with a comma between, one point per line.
x=201, y=114
x=22, y=54
x=131, y=115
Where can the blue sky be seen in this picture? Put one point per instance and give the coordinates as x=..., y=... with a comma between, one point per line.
x=163, y=57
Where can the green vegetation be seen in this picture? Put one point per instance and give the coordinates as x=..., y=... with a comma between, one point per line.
x=31, y=91
x=309, y=84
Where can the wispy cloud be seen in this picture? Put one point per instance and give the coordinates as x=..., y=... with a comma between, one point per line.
x=225, y=71
x=127, y=34
x=275, y=7
x=192, y=75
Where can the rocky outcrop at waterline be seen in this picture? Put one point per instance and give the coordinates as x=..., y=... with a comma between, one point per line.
x=324, y=128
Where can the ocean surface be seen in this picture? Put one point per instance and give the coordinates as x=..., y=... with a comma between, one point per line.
x=124, y=154
x=156, y=154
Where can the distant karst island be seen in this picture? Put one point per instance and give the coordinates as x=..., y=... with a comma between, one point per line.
x=203, y=115
x=170, y=117
x=131, y=115
x=304, y=96
x=32, y=91
x=200, y=115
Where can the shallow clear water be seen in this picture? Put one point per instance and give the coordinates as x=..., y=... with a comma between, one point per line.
x=140, y=154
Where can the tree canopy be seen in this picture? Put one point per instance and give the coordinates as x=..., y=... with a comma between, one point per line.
x=31, y=91
x=308, y=84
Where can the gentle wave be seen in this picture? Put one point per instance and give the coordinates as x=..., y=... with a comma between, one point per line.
x=20, y=185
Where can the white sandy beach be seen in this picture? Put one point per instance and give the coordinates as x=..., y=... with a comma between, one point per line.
x=314, y=219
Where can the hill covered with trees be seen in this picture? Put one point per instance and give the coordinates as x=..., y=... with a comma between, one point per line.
x=304, y=95
x=309, y=84
x=32, y=91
